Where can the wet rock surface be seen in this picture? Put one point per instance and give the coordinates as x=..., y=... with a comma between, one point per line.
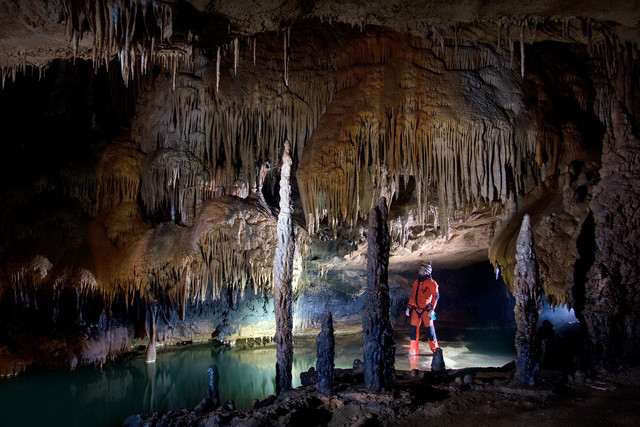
x=475, y=396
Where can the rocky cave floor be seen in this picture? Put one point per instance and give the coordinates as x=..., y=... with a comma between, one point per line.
x=471, y=396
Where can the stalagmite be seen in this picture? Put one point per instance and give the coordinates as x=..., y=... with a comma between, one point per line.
x=213, y=391
x=437, y=362
x=150, y=355
x=528, y=297
x=379, y=345
x=325, y=355
x=282, y=279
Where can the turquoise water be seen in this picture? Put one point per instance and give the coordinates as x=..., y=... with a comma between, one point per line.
x=90, y=396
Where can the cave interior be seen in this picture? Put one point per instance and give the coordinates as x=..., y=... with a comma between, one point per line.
x=141, y=155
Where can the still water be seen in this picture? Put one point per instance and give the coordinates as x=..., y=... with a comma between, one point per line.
x=178, y=379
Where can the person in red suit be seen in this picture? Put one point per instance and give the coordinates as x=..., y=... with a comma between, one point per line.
x=421, y=308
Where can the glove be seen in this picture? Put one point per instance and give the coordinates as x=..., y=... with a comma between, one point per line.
x=432, y=314
x=408, y=312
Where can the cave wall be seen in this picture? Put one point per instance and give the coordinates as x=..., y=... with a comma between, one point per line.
x=607, y=300
x=155, y=175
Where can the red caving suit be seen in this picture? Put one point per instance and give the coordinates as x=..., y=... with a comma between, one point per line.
x=424, y=298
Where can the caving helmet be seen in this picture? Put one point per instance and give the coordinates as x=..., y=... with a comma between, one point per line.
x=427, y=269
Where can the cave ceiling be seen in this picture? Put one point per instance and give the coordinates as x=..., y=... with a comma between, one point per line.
x=36, y=32
x=430, y=104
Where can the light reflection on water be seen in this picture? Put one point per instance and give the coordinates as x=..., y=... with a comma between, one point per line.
x=178, y=379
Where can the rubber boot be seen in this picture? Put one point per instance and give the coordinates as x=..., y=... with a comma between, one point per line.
x=431, y=337
x=414, y=347
x=414, y=334
x=413, y=363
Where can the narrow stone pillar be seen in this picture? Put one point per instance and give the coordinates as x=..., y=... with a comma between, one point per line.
x=528, y=295
x=213, y=392
x=152, y=310
x=282, y=277
x=325, y=353
x=379, y=345
x=437, y=361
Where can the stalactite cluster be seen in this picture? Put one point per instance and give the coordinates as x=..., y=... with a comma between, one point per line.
x=559, y=213
x=135, y=32
x=118, y=174
x=12, y=72
x=460, y=141
x=192, y=148
x=240, y=253
x=214, y=133
x=116, y=30
x=231, y=246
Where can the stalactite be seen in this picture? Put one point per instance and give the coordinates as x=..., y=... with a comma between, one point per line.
x=522, y=51
x=287, y=34
x=511, y=53
x=218, y=70
x=235, y=56
x=115, y=29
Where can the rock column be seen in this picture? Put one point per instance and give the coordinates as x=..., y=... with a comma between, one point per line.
x=150, y=354
x=325, y=353
x=379, y=345
x=528, y=295
x=213, y=392
x=282, y=277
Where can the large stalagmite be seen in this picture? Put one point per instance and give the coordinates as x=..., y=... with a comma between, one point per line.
x=282, y=279
x=379, y=344
x=528, y=305
x=152, y=315
x=325, y=355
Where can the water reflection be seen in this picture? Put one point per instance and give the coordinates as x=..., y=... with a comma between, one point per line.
x=179, y=379
x=462, y=348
